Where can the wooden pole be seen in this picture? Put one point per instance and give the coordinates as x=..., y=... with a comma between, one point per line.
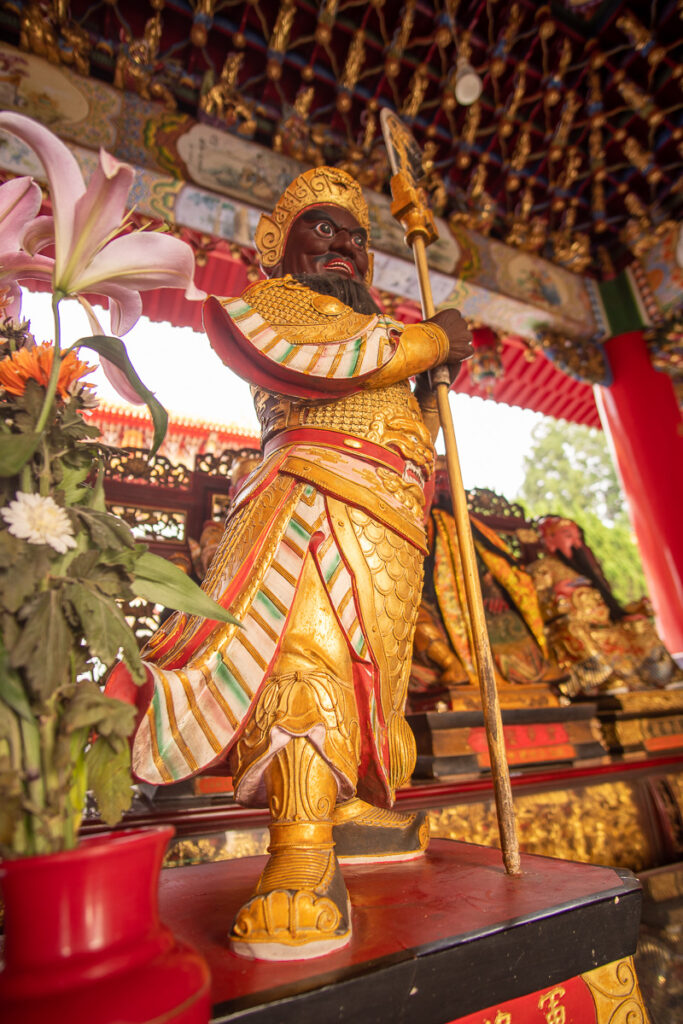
x=482, y=649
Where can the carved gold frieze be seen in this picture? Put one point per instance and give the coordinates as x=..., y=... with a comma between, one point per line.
x=652, y=702
x=47, y=30
x=600, y=824
x=582, y=360
x=135, y=464
x=664, y=884
x=138, y=66
x=224, y=846
x=629, y=733
x=616, y=993
x=676, y=784
x=465, y=697
x=665, y=339
x=152, y=524
x=222, y=99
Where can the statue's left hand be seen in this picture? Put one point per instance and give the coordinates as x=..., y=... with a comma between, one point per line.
x=459, y=335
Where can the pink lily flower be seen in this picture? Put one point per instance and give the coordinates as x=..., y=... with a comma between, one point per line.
x=20, y=201
x=86, y=220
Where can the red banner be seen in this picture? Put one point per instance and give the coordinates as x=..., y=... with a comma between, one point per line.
x=568, y=1003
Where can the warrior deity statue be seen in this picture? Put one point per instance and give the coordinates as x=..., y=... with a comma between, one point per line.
x=443, y=642
x=321, y=562
x=600, y=644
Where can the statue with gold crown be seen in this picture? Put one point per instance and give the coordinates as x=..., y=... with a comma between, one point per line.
x=444, y=666
x=321, y=562
x=602, y=645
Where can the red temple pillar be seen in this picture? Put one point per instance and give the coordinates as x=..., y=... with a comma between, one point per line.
x=642, y=421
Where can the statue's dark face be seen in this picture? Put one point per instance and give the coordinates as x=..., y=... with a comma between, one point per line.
x=326, y=240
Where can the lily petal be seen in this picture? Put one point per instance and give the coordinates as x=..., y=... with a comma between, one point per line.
x=125, y=306
x=193, y=293
x=39, y=233
x=20, y=201
x=93, y=321
x=62, y=171
x=20, y=266
x=119, y=382
x=142, y=260
x=116, y=377
x=98, y=215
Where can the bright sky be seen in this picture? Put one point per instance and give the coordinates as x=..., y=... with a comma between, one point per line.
x=189, y=379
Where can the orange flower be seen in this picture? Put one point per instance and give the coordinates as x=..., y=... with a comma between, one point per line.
x=36, y=364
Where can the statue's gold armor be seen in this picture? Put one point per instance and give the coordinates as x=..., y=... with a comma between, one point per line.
x=321, y=563
x=356, y=466
x=389, y=573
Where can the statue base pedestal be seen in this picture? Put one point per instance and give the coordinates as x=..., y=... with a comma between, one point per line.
x=646, y=722
x=449, y=937
x=454, y=742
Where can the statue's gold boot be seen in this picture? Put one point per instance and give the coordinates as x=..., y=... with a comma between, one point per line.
x=364, y=834
x=300, y=907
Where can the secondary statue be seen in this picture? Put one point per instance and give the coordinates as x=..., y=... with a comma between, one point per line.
x=321, y=561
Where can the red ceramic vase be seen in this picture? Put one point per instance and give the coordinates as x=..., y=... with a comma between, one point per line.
x=83, y=940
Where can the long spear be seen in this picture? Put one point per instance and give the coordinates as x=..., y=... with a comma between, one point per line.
x=410, y=208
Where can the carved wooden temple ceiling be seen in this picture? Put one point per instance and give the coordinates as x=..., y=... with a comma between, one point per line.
x=572, y=151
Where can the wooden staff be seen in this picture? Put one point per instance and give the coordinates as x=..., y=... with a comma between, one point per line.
x=410, y=209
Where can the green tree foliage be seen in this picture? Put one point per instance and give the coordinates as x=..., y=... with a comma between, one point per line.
x=569, y=472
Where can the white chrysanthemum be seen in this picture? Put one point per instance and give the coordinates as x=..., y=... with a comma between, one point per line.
x=39, y=521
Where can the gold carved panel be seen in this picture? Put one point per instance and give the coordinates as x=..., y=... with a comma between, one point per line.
x=223, y=846
x=598, y=824
x=616, y=993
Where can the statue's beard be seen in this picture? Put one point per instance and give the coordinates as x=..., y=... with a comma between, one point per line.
x=348, y=290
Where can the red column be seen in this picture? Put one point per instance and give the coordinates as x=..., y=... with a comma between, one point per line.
x=642, y=421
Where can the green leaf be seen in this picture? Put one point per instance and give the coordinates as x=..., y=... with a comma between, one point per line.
x=12, y=692
x=114, y=350
x=110, y=779
x=106, y=530
x=159, y=581
x=74, y=426
x=89, y=709
x=72, y=481
x=95, y=498
x=84, y=563
x=78, y=775
x=112, y=581
x=15, y=451
x=124, y=558
x=44, y=646
x=11, y=810
x=104, y=628
x=8, y=549
x=24, y=567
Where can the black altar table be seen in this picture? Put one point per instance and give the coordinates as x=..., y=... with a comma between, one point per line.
x=448, y=937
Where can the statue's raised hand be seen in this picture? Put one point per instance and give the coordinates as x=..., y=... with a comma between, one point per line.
x=459, y=335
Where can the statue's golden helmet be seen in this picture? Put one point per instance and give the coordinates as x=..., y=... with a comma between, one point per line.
x=319, y=186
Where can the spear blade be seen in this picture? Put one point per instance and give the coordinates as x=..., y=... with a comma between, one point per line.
x=404, y=153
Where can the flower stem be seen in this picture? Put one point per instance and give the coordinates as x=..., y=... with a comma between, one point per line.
x=54, y=373
x=33, y=786
x=26, y=479
x=44, y=480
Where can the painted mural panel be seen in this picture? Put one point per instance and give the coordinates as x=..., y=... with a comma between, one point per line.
x=215, y=182
x=663, y=269
x=79, y=109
